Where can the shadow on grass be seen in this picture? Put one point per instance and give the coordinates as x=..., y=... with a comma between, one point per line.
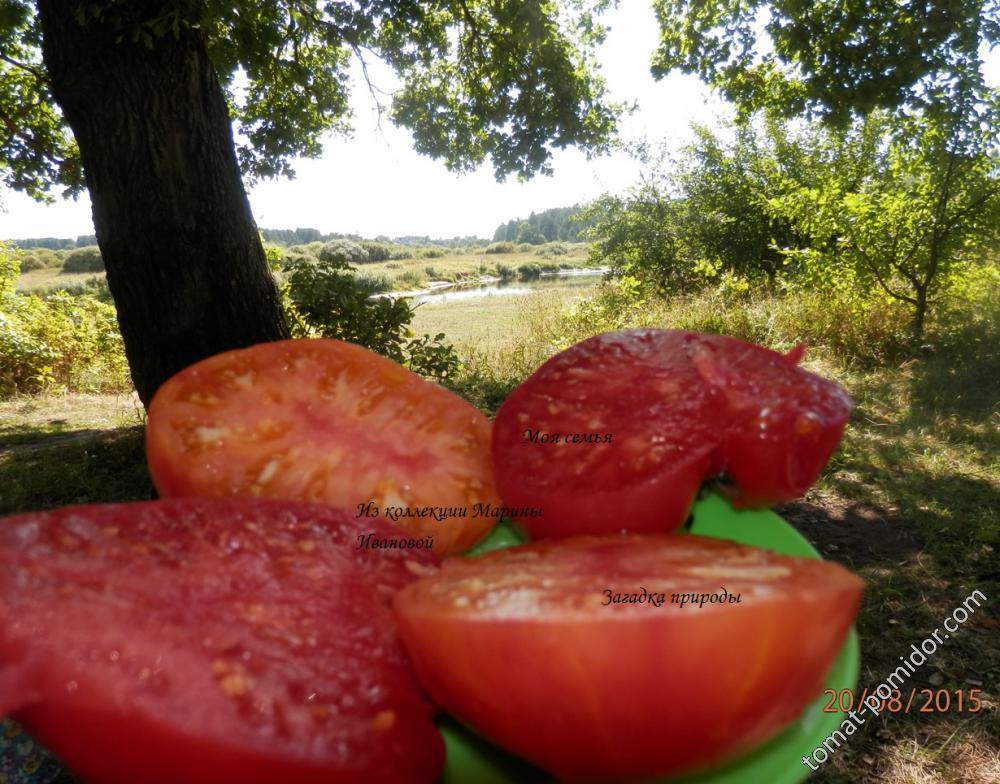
x=910, y=588
x=44, y=436
x=911, y=504
x=961, y=375
x=72, y=468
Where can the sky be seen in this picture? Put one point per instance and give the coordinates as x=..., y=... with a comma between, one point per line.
x=375, y=184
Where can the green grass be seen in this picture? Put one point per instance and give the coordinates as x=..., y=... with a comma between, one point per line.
x=52, y=277
x=64, y=449
x=497, y=319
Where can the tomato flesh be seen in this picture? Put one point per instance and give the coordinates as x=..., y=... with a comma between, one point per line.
x=525, y=647
x=619, y=432
x=211, y=641
x=330, y=422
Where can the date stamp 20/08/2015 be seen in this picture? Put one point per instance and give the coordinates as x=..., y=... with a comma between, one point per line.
x=914, y=701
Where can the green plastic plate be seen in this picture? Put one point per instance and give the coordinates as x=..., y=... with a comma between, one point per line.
x=472, y=760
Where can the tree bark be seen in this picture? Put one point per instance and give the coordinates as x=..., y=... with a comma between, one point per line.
x=184, y=260
x=919, y=314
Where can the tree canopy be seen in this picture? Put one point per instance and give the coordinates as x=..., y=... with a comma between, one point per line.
x=835, y=57
x=500, y=80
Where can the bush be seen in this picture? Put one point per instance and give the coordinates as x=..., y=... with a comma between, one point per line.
x=48, y=257
x=326, y=300
x=505, y=272
x=377, y=251
x=529, y=271
x=291, y=258
x=84, y=260
x=431, y=253
x=30, y=262
x=343, y=251
x=57, y=342
x=552, y=249
x=501, y=247
x=373, y=283
x=411, y=278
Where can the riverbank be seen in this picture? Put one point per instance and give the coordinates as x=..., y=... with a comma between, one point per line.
x=495, y=313
x=488, y=285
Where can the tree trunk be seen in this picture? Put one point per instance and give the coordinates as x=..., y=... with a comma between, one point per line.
x=184, y=259
x=919, y=313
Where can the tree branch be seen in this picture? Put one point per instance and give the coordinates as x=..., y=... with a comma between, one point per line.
x=33, y=70
x=873, y=267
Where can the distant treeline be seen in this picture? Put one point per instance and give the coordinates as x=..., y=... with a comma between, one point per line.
x=284, y=237
x=558, y=224
x=56, y=243
x=301, y=236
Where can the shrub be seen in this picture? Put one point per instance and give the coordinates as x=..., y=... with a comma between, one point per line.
x=501, y=247
x=84, y=260
x=431, y=253
x=505, y=272
x=411, y=278
x=48, y=257
x=326, y=300
x=343, y=250
x=30, y=262
x=529, y=271
x=552, y=249
x=377, y=251
x=58, y=341
x=291, y=258
x=373, y=283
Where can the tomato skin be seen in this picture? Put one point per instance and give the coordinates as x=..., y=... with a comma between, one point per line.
x=667, y=410
x=520, y=645
x=324, y=421
x=783, y=422
x=212, y=641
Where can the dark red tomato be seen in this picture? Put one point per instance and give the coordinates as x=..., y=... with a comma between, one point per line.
x=329, y=422
x=782, y=422
x=548, y=651
x=619, y=432
x=209, y=642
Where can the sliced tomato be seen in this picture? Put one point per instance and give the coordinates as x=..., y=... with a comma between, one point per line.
x=535, y=648
x=782, y=422
x=330, y=422
x=619, y=432
x=210, y=641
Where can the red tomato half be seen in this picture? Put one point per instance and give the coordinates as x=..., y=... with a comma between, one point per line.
x=618, y=432
x=533, y=648
x=329, y=422
x=210, y=642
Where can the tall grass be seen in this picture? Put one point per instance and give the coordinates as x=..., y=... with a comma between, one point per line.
x=842, y=334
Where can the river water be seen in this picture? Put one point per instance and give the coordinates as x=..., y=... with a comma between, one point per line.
x=511, y=288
